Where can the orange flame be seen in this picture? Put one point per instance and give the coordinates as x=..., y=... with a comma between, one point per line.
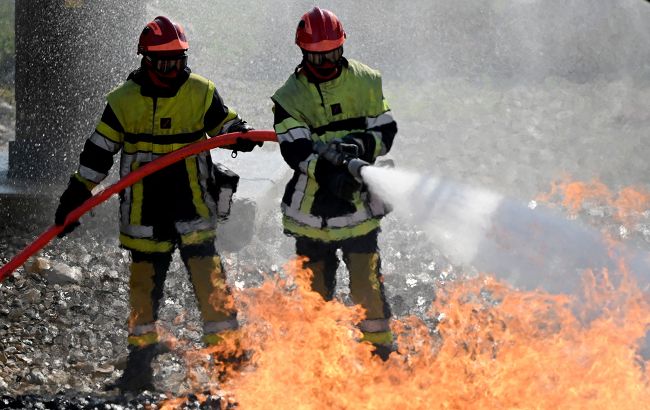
x=494, y=347
x=483, y=345
x=629, y=204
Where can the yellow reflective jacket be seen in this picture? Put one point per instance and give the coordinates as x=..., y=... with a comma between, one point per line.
x=145, y=123
x=308, y=113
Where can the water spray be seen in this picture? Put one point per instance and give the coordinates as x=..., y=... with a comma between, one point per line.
x=128, y=180
x=528, y=245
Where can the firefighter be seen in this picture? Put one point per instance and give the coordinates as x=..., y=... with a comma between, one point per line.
x=328, y=103
x=160, y=108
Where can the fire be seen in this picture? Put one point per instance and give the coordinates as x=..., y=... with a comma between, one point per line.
x=629, y=204
x=484, y=345
x=493, y=347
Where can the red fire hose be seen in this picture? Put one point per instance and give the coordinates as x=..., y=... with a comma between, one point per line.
x=128, y=180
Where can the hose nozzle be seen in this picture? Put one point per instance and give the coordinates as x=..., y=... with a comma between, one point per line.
x=354, y=167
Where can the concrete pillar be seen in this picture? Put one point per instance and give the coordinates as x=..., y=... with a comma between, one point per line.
x=69, y=54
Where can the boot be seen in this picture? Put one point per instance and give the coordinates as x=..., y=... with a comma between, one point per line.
x=138, y=375
x=383, y=351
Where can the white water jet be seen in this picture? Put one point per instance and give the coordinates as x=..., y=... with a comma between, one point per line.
x=528, y=245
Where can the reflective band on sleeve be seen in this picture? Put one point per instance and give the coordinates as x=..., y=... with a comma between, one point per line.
x=108, y=132
x=226, y=126
x=374, y=325
x=104, y=143
x=294, y=134
x=91, y=174
x=217, y=327
x=382, y=119
x=380, y=147
x=287, y=124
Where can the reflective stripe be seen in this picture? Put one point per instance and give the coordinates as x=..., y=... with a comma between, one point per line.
x=294, y=134
x=155, y=148
x=137, y=196
x=376, y=209
x=378, y=338
x=299, y=192
x=108, y=132
x=305, y=165
x=104, y=143
x=91, y=174
x=137, y=231
x=145, y=245
x=378, y=121
x=287, y=124
x=293, y=227
x=217, y=327
x=141, y=157
x=349, y=219
x=380, y=147
x=310, y=191
x=186, y=227
x=226, y=126
x=374, y=325
x=144, y=340
x=142, y=329
x=198, y=237
x=305, y=219
x=197, y=193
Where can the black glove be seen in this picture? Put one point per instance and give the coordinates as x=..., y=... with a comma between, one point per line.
x=364, y=142
x=343, y=185
x=242, y=144
x=338, y=152
x=75, y=194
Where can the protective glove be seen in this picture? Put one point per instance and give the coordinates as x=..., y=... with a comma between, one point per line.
x=242, y=144
x=357, y=139
x=75, y=194
x=338, y=153
x=343, y=185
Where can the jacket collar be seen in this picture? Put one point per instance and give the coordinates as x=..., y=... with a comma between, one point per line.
x=148, y=89
x=301, y=70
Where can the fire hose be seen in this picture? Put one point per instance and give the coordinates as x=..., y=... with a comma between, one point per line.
x=126, y=181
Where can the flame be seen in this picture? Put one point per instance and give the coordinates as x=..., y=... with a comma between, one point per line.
x=483, y=345
x=493, y=347
x=630, y=204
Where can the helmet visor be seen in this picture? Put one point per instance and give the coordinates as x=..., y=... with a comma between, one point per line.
x=321, y=58
x=167, y=64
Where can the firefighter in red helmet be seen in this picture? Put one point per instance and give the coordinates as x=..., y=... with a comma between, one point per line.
x=160, y=108
x=330, y=108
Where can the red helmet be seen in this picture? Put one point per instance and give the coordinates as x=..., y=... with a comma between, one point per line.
x=319, y=31
x=162, y=36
